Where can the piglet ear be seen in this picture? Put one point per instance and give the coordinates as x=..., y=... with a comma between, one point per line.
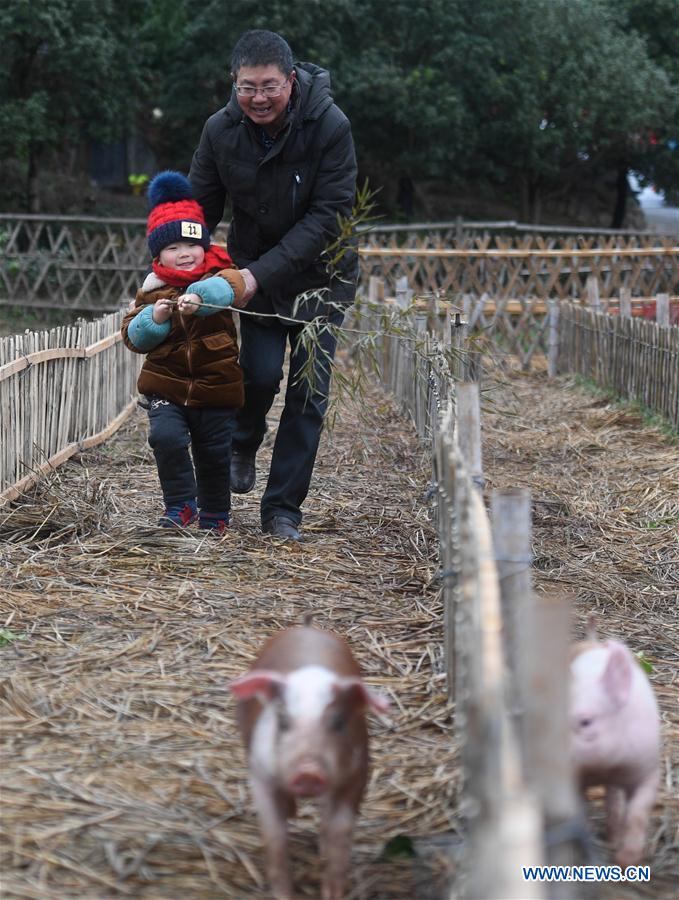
x=617, y=676
x=356, y=691
x=377, y=701
x=258, y=682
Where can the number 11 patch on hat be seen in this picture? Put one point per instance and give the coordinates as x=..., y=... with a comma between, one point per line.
x=192, y=230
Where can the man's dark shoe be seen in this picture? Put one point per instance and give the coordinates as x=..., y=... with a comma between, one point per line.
x=243, y=472
x=281, y=527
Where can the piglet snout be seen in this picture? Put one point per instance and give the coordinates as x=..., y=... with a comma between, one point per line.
x=308, y=780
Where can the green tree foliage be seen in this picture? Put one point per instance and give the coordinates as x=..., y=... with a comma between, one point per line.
x=565, y=97
x=68, y=75
x=186, y=64
x=525, y=97
x=656, y=149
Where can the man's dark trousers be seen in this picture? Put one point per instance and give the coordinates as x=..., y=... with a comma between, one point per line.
x=262, y=355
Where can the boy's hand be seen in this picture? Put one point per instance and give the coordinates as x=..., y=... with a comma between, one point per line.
x=162, y=310
x=187, y=304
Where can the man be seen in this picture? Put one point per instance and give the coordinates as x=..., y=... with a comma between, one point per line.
x=283, y=153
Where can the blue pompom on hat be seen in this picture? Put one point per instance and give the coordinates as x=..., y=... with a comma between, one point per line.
x=175, y=214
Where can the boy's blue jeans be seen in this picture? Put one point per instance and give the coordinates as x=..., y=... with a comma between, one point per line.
x=208, y=431
x=262, y=356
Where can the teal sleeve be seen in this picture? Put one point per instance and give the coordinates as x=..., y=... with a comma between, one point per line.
x=214, y=291
x=146, y=334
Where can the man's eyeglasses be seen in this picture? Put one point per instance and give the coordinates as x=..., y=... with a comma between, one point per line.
x=269, y=90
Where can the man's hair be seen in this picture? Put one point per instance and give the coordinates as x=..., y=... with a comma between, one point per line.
x=261, y=48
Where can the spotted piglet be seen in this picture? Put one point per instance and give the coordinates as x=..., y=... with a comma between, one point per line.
x=615, y=739
x=301, y=711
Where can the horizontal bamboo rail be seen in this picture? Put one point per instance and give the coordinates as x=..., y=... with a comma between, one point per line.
x=16, y=490
x=461, y=229
x=540, y=266
x=40, y=356
x=516, y=306
x=495, y=253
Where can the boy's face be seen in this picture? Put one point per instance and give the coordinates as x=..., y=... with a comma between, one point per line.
x=182, y=255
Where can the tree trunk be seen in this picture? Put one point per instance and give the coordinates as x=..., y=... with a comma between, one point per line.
x=32, y=198
x=537, y=204
x=622, y=189
x=525, y=199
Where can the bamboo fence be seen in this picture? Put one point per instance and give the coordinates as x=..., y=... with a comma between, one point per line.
x=513, y=771
x=636, y=358
x=535, y=265
x=608, y=342
x=61, y=391
x=95, y=263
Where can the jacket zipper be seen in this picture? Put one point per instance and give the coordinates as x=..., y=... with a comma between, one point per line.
x=296, y=181
x=188, y=362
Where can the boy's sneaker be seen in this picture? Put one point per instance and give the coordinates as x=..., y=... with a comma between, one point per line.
x=217, y=522
x=179, y=515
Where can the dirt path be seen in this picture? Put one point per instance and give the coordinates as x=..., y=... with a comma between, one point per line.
x=122, y=770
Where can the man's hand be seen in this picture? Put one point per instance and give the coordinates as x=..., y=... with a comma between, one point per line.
x=187, y=304
x=162, y=310
x=250, y=288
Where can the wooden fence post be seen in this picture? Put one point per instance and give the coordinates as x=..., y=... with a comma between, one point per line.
x=459, y=232
x=375, y=289
x=445, y=478
x=379, y=321
x=511, y=517
x=543, y=656
x=403, y=292
x=537, y=650
x=402, y=359
x=505, y=825
x=446, y=328
x=662, y=309
x=459, y=346
x=626, y=302
x=469, y=429
x=420, y=385
x=592, y=290
x=553, y=346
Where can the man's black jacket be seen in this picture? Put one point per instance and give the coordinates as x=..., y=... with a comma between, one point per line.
x=285, y=202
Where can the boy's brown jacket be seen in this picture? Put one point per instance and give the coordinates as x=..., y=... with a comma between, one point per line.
x=197, y=364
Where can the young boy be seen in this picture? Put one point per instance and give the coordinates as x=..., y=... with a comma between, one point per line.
x=191, y=383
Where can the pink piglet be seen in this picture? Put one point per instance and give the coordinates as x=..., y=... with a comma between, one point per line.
x=615, y=739
x=301, y=711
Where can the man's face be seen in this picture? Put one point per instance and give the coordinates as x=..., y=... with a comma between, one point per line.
x=264, y=110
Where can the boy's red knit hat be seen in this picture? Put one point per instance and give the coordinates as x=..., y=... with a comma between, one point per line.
x=175, y=215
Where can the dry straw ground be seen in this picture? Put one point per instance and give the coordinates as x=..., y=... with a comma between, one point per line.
x=605, y=491
x=122, y=774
